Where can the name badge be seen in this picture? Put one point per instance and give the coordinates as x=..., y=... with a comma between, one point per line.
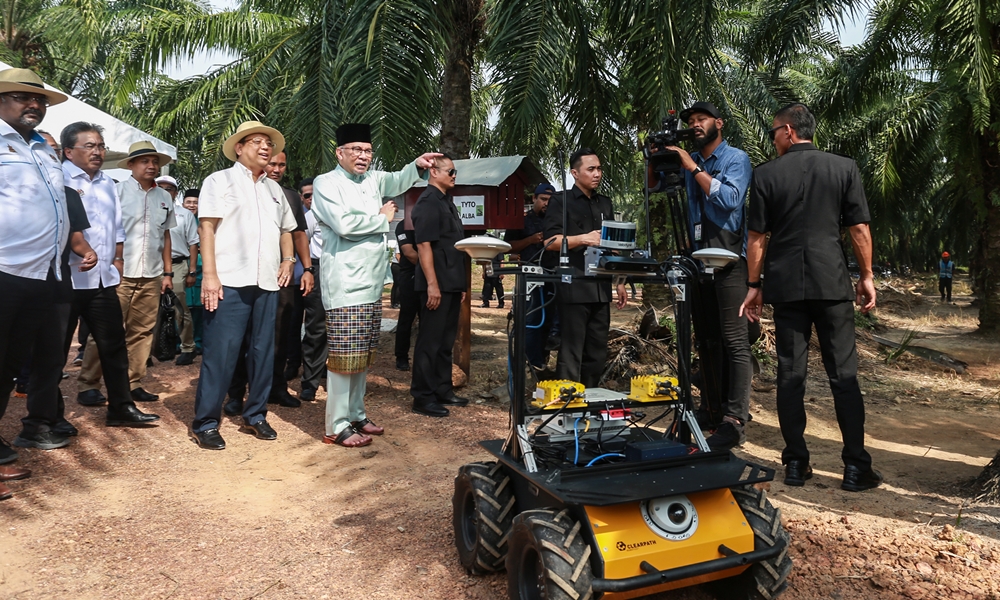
x=697, y=232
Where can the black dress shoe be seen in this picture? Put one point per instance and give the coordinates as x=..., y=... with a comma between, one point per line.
x=7, y=454
x=431, y=409
x=43, y=440
x=796, y=472
x=184, y=358
x=283, y=398
x=141, y=395
x=209, y=440
x=307, y=395
x=149, y=361
x=402, y=364
x=66, y=428
x=129, y=415
x=91, y=398
x=233, y=407
x=261, y=430
x=453, y=400
x=856, y=480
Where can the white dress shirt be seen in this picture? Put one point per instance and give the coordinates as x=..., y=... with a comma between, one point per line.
x=100, y=199
x=147, y=216
x=34, y=222
x=184, y=234
x=315, y=238
x=253, y=215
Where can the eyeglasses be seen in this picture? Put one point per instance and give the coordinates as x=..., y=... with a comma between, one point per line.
x=39, y=99
x=771, y=132
x=261, y=142
x=358, y=150
x=89, y=147
x=451, y=172
x=307, y=195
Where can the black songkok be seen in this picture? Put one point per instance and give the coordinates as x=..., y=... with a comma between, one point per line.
x=354, y=132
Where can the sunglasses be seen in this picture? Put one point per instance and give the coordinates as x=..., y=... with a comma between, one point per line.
x=451, y=172
x=774, y=130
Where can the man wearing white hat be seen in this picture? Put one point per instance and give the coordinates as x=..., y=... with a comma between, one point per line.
x=34, y=229
x=147, y=216
x=184, y=265
x=245, y=229
x=355, y=259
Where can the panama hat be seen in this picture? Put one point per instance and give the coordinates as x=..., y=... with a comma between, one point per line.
x=142, y=149
x=249, y=128
x=25, y=80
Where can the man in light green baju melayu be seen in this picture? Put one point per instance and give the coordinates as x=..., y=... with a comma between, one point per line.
x=353, y=223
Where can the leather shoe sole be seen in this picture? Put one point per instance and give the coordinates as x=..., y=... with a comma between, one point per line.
x=453, y=401
x=131, y=420
x=431, y=410
x=261, y=433
x=796, y=473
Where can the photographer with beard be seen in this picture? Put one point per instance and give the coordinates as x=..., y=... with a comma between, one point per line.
x=717, y=180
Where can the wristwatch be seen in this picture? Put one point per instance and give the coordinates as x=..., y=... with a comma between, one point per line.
x=753, y=284
x=168, y=273
x=697, y=170
x=311, y=270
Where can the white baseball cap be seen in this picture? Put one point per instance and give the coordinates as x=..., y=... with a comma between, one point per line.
x=167, y=179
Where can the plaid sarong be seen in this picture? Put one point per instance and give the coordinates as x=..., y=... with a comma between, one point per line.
x=352, y=333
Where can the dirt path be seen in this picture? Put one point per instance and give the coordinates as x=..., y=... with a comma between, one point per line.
x=146, y=514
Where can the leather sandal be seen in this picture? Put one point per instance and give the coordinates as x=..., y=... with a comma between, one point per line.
x=342, y=438
x=365, y=426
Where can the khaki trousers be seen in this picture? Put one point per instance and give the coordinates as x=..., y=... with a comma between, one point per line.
x=184, y=322
x=140, y=301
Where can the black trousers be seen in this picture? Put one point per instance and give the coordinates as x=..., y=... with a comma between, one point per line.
x=282, y=321
x=491, y=284
x=432, y=355
x=101, y=311
x=293, y=356
x=944, y=286
x=584, y=348
x=29, y=323
x=314, y=345
x=834, y=321
x=730, y=290
x=394, y=292
x=409, y=307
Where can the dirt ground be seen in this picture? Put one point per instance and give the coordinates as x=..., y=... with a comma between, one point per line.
x=144, y=513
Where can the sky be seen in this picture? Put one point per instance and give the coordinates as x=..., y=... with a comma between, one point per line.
x=203, y=62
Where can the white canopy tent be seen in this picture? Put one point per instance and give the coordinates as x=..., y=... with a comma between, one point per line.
x=118, y=135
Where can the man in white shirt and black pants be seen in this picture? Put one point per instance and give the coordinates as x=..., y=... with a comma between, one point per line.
x=245, y=229
x=95, y=292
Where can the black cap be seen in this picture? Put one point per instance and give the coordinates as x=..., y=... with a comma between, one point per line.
x=703, y=107
x=354, y=132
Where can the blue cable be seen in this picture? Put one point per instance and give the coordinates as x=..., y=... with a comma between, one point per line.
x=541, y=293
x=576, y=438
x=605, y=456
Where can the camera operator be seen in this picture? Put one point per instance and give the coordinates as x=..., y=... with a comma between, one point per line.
x=584, y=314
x=717, y=180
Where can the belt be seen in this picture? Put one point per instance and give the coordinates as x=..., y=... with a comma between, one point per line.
x=178, y=259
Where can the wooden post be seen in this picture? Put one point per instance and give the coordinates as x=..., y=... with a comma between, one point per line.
x=462, y=352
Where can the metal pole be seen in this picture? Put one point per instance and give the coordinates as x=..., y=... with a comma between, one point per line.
x=517, y=399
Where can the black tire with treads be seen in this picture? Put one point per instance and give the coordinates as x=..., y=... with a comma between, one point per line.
x=548, y=558
x=765, y=580
x=483, y=508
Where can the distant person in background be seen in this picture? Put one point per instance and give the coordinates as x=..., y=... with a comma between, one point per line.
x=192, y=293
x=313, y=316
x=946, y=269
x=409, y=302
x=184, y=266
x=491, y=284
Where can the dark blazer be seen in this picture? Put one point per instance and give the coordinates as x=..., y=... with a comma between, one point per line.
x=803, y=199
x=583, y=216
x=436, y=220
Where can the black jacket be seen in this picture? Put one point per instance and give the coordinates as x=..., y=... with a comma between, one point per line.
x=583, y=216
x=436, y=220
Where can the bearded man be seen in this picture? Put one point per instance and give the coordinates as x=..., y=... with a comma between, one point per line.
x=354, y=263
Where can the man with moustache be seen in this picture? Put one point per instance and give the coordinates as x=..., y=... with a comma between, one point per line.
x=147, y=217
x=34, y=232
x=717, y=178
x=440, y=284
x=355, y=259
x=246, y=248
x=584, y=311
x=95, y=292
x=184, y=265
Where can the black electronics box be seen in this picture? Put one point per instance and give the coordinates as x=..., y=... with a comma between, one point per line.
x=653, y=450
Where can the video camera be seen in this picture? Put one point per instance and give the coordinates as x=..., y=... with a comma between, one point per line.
x=665, y=165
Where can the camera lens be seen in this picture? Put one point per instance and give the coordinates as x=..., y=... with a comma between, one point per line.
x=676, y=513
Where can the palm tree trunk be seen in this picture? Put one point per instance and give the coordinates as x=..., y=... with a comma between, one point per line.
x=988, y=274
x=456, y=92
